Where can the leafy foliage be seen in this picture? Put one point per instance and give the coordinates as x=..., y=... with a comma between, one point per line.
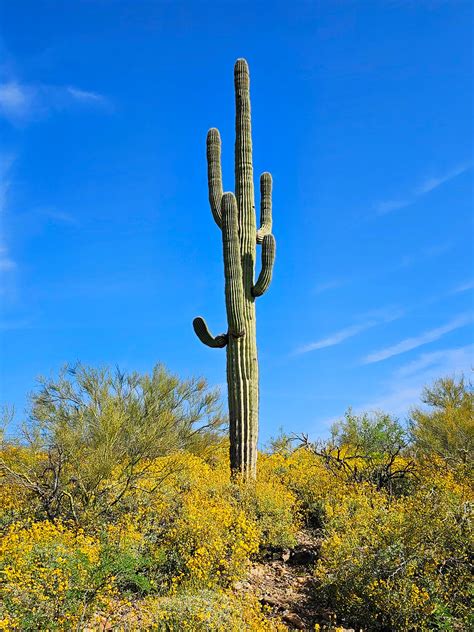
x=447, y=427
x=165, y=549
x=398, y=563
x=368, y=448
x=93, y=434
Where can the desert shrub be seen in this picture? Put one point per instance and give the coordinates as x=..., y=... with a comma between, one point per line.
x=54, y=577
x=147, y=530
x=272, y=505
x=47, y=577
x=92, y=434
x=15, y=503
x=208, y=526
x=207, y=536
x=200, y=611
x=214, y=540
x=370, y=448
x=304, y=474
x=444, y=427
x=399, y=564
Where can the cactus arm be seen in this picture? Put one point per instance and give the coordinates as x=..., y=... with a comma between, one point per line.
x=234, y=291
x=202, y=332
x=214, y=174
x=265, y=207
x=268, y=259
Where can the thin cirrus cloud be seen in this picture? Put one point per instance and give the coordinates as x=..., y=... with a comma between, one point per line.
x=406, y=261
x=406, y=384
x=21, y=103
x=443, y=362
x=464, y=287
x=337, y=337
x=329, y=285
x=6, y=262
x=6, y=161
x=417, y=341
x=428, y=185
x=404, y=387
x=373, y=319
x=60, y=217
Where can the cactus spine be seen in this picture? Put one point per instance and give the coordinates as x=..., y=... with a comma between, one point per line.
x=235, y=215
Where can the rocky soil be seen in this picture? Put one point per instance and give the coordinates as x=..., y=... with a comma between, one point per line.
x=284, y=583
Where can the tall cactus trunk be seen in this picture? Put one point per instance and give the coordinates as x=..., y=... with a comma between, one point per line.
x=235, y=215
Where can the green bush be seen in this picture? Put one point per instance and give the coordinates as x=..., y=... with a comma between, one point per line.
x=399, y=564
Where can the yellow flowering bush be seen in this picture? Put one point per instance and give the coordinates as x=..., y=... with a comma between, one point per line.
x=46, y=576
x=197, y=611
x=310, y=482
x=207, y=538
x=214, y=538
x=401, y=563
x=15, y=499
x=167, y=548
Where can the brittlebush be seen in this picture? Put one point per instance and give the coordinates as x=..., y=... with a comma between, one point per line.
x=399, y=563
x=168, y=556
x=185, y=528
x=47, y=577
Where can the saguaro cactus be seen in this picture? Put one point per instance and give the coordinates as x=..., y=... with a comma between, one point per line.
x=235, y=216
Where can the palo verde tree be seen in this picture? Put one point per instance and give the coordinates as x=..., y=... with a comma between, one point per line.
x=235, y=216
x=93, y=435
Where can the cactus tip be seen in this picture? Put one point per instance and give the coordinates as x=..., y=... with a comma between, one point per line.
x=213, y=134
x=241, y=64
x=228, y=200
x=241, y=72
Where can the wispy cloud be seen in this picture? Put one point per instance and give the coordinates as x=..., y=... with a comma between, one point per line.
x=428, y=185
x=403, y=388
x=337, y=337
x=59, y=216
x=439, y=360
x=387, y=206
x=421, y=256
x=433, y=183
x=6, y=161
x=8, y=325
x=329, y=285
x=407, y=382
x=21, y=102
x=14, y=100
x=417, y=341
x=86, y=96
x=464, y=287
x=6, y=262
x=425, y=254
x=371, y=319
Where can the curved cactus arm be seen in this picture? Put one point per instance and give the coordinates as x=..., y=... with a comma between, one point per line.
x=265, y=207
x=268, y=259
x=202, y=332
x=234, y=289
x=214, y=173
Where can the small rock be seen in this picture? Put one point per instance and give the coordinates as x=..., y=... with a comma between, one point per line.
x=303, y=557
x=294, y=620
x=241, y=585
x=285, y=556
x=268, y=600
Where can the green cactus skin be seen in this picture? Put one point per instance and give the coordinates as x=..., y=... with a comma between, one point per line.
x=235, y=215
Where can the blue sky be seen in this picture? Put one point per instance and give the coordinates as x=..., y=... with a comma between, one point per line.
x=362, y=111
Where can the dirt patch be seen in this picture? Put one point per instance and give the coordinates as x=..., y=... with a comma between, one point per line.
x=284, y=583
